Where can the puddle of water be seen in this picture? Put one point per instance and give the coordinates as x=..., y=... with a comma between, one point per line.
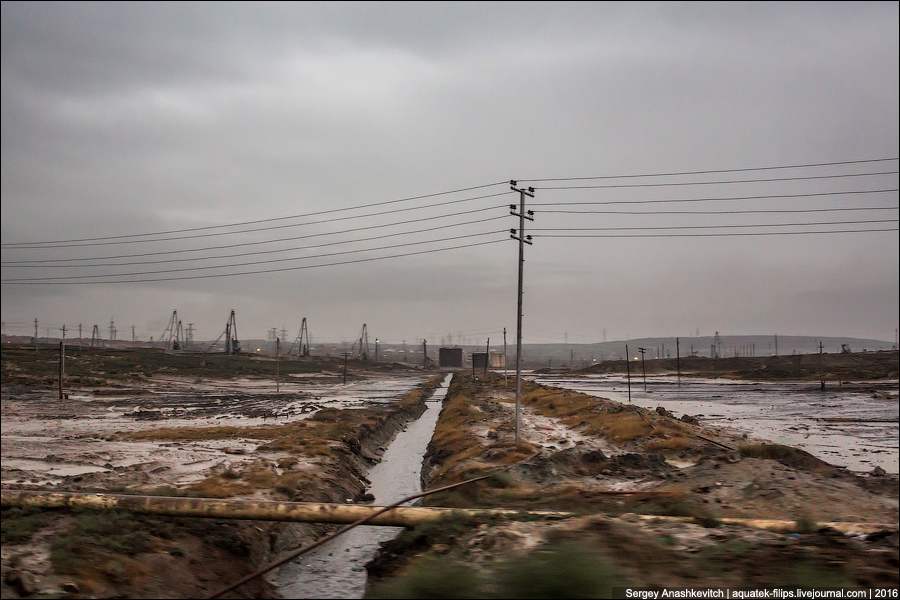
x=337, y=569
x=787, y=413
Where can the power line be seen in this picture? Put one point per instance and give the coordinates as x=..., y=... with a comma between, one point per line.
x=281, y=269
x=273, y=219
x=31, y=263
x=641, y=185
x=712, y=212
x=33, y=245
x=713, y=199
x=732, y=234
x=769, y=168
x=285, y=239
x=715, y=226
x=256, y=262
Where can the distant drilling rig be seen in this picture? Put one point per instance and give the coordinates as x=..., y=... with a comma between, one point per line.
x=362, y=344
x=302, y=341
x=172, y=336
x=232, y=344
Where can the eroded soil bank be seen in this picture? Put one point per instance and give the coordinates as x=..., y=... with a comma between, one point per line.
x=337, y=569
x=855, y=424
x=609, y=463
x=314, y=440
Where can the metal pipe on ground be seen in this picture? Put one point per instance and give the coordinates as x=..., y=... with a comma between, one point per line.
x=782, y=525
x=211, y=508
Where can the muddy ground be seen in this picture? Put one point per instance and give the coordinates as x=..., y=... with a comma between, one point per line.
x=148, y=423
x=610, y=462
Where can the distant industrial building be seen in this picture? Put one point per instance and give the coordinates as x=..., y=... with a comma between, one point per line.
x=450, y=358
x=479, y=360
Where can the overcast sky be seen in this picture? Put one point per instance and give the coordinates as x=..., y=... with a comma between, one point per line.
x=121, y=119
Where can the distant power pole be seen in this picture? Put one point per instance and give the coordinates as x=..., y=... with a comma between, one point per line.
x=821, y=365
x=132, y=335
x=678, y=359
x=62, y=367
x=628, y=371
x=642, y=350
x=277, y=365
x=424, y=353
x=519, y=235
x=487, y=356
x=776, y=344
x=505, y=382
x=35, y=334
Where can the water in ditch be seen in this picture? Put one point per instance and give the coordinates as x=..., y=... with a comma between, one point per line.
x=337, y=569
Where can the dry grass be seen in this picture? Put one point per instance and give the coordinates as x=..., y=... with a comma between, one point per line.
x=671, y=443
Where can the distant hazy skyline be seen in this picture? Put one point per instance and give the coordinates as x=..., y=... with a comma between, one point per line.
x=128, y=118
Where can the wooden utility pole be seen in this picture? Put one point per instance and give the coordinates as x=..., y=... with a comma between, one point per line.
x=678, y=359
x=505, y=382
x=424, y=353
x=821, y=365
x=519, y=234
x=277, y=364
x=643, y=367
x=62, y=367
x=35, y=334
x=628, y=371
x=487, y=356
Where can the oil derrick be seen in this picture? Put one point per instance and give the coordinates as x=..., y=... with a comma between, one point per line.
x=95, y=335
x=363, y=343
x=178, y=338
x=232, y=345
x=302, y=341
x=170, y=335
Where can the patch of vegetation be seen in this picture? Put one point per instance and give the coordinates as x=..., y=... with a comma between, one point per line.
x=810, y=576
x=424, y=535
x=17, y=525
x=786, y=455
x=556, y=570
x=433, y=578
x=95, y=535
x=565, y=570
x=670, y=443
x=805, y=524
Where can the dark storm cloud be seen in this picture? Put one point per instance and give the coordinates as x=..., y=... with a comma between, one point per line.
x=138, y=117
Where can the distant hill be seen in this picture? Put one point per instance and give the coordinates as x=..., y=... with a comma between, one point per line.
x=730, y=345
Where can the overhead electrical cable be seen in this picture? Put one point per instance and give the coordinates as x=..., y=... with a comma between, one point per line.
x=34, y=246
x=712, y=199
x=278, y=270
x=714, y=212
x=283, y=218
x=286, y=239
x=712, y=171
x=720, y=182
x=731, y=234
x=714, y=226
x=38, y=263
x=256, y=262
